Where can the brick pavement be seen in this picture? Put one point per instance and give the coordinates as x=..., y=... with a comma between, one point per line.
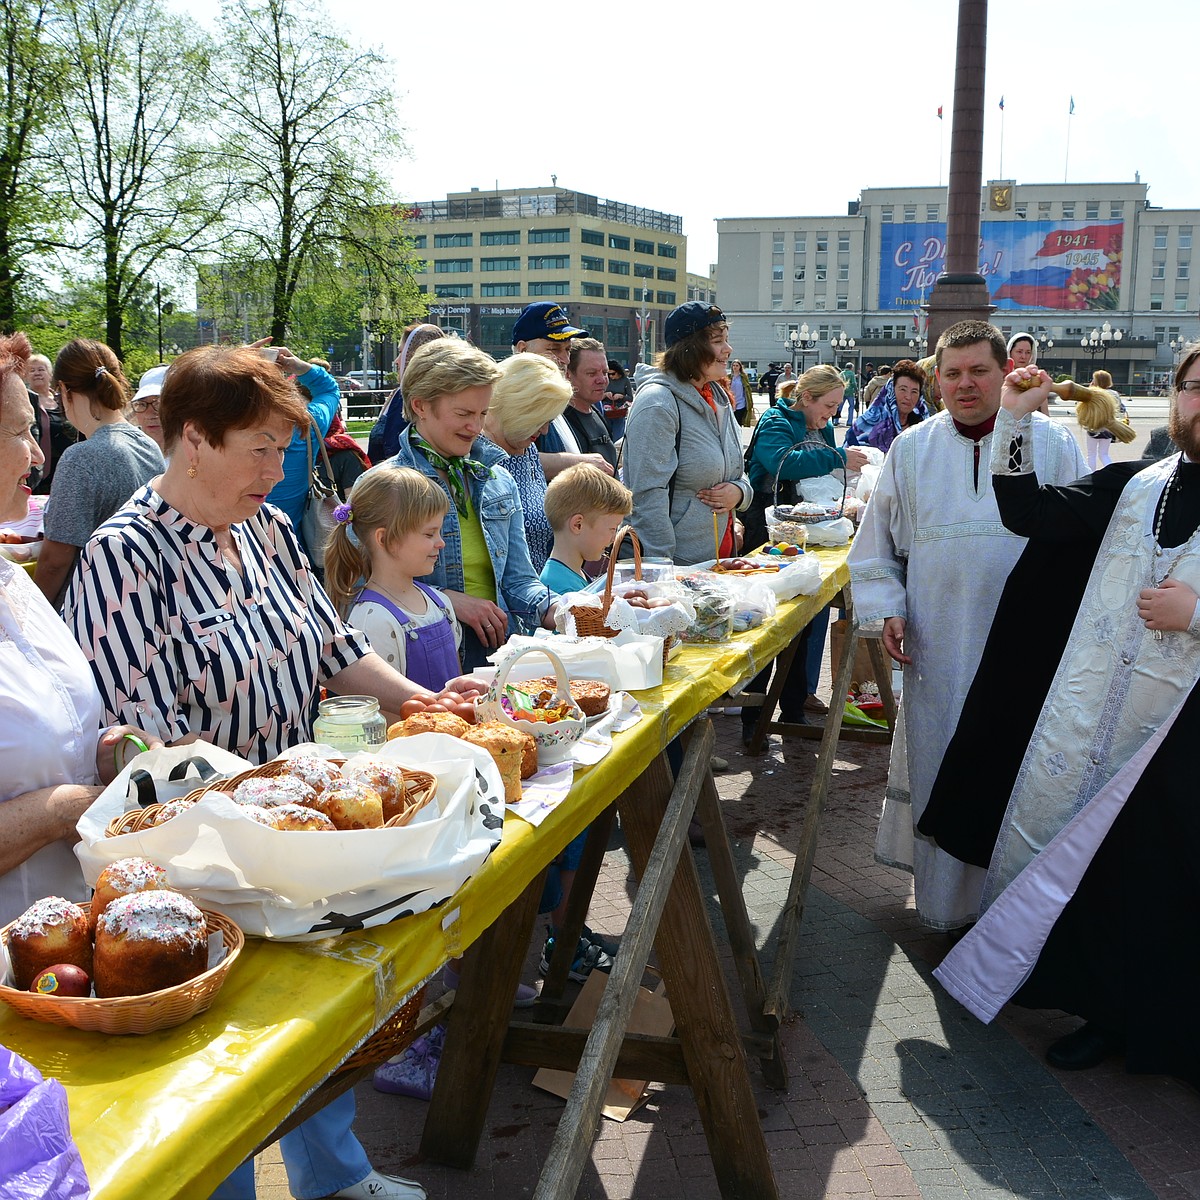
x=895, y=1090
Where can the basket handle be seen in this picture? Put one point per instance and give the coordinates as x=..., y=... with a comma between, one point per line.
x=622, y=533
x=810, y=441
x=560, y=672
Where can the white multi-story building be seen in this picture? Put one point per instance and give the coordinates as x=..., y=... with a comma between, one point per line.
x=1061, y=261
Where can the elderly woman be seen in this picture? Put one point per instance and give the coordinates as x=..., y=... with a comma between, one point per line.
x=95, y=477
x=484, y=568
x=202, y=619
x=54, y=759
x=143, y=408
x=683, y=447
x=529, y=394
x=55, y=432
x=898, y=406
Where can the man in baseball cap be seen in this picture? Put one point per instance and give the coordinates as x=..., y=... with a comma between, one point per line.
x=544, y=329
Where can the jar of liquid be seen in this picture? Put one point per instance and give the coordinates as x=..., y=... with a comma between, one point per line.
x=350, y=723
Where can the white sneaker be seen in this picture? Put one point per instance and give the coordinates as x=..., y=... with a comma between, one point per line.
x=383, y=1187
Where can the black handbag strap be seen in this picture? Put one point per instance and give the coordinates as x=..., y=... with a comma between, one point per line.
x=143, y=781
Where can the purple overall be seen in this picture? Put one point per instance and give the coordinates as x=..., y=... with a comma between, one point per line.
x=431, y=657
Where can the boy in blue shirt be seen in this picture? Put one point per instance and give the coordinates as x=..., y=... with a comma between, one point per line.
x=585, y=509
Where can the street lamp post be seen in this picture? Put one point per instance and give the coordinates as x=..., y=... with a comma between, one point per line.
x=1101, y=340
x=372, y=316
x=917, y=345
x=1045, y=345
x=840, y=344
x=801, y=341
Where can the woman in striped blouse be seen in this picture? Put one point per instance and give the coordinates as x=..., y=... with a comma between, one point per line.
x=200, y=614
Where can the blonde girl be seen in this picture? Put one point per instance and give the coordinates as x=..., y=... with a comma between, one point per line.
x=389, y=533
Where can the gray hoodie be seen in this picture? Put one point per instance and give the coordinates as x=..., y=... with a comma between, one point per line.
x=675, y=446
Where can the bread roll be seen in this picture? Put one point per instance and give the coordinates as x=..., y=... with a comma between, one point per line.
x=123, y=878
x=49, y=932
x=429, y=722
x=589, y=694
x=388, y=780
x=297, y=816
x=266, y=792
x=148, y=941
x=351, y=805
x=507, y=748
x=318, y=773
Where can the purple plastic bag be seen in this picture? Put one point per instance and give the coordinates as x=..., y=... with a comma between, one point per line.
x=38, y=1158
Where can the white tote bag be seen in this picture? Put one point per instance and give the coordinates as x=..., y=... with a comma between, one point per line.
x=303, y=885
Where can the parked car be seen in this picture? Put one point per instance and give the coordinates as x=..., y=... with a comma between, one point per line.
x=371, y=379
x=346, y=384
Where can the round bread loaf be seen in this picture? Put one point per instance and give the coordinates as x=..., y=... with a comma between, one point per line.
x=173, y=808
x=49, y=932
x=507, y=747
x=148, y=941
x=589, y=694
x=388, y=780
x=283, y=789
x=318, y=773
x=123, y=878
x=429, y=722
x=297, y=816
x=351, y=805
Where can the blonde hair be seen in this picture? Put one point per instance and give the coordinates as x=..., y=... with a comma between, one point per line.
x=1101, y=379
x=586, y=490
x=530, y=392
x=817, y=381
x=397, y=500
x=445, y=367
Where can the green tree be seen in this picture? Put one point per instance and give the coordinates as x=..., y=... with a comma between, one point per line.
x=306, y=120
x=29, y=84
x=138, y=182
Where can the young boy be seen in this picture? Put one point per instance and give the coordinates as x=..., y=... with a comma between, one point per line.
x=585, y=509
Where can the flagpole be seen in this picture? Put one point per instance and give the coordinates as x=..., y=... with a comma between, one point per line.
x=941, y=144
x=1001, y=175
x=1067, y=155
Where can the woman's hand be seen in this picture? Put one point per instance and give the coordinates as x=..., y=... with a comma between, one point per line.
x=724, y=497
x=113, y=750
x=489, y=620
x=289, y=364
x=1169, y=607
x=856, y=457
x=1026, y=390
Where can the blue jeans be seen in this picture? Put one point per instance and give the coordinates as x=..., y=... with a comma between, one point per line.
x=818, y=627
x=320, y=1156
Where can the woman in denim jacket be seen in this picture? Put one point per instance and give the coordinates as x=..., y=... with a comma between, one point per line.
x=484, y=567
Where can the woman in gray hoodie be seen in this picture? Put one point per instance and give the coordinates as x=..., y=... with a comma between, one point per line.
x=683, y=446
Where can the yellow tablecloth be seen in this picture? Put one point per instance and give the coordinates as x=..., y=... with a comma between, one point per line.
x=172, y=1113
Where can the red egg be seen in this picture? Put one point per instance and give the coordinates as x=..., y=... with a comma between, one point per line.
x=62, y=979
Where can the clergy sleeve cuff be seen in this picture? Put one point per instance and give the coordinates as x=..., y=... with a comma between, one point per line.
x=1012, y=445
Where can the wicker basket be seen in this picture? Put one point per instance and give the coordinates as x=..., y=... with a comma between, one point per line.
x=389, y=1039
x=589, y=621
x=133, y=1014
x=420, y=787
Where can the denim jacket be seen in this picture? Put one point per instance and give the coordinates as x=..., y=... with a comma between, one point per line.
x=519, y=592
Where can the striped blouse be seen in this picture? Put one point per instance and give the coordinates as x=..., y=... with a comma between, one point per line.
x=180, y=643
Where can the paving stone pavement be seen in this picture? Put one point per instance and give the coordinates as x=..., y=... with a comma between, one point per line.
x=895, y=1091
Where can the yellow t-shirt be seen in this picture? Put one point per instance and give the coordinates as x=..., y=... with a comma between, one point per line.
x=479, y=576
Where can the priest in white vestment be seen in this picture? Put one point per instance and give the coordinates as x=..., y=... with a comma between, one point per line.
x=929, y=562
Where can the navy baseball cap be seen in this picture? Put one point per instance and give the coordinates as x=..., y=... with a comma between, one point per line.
x=544, y=320
x=691, y=318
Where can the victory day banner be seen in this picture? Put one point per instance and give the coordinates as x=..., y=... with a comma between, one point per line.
x=1027, y=264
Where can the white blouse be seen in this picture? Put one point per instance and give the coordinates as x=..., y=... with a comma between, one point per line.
x=49, y=724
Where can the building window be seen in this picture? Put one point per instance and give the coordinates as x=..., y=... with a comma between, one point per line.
x=843, y=243
x=666, y=298
x=420, y=241
x=442, y=241
x=1068, y=211
x=504, y=237
x=617, y=242
x=559, y=288
x=931, y=212
x=1022, y=211
x=1091, y=210
x=423, y=289
x=843, y=272
x=456, y=291
x=777, y=243
x=1185, y=237
x=617, y=267
x=1160, y=334
x=500, y=264
x=1116, y=210
x=444, y=266
x=666, y=250
x=643, y=271
x=617, y=293
x=1181, y=302
x=549, y=262
x=596, y=290
x=1043, y=208
x=843, y=303
x=642, y=247
x=593, y=237
x=1183, y=269
x=800, y=243
x=821, y=274
x=822, y=243
x=667, y=274
x=1158, y=270
x=910, y=212
x=819, y=304
x=499, y=289
x=591, y=264
x=798, y=274
x=1160, y=237
x=777, y=274
x=618, y=333
x=777, y=304
x=1156, y=303
x=885, y=214
x=537, y=236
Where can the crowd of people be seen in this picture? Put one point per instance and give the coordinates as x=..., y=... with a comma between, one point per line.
x=175, y=598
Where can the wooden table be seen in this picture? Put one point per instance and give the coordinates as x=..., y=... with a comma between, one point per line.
x=290, y=1014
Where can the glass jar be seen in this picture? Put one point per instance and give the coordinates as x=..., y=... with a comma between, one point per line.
x=350, y=723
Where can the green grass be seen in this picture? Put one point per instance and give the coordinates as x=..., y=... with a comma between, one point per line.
x=359, y=428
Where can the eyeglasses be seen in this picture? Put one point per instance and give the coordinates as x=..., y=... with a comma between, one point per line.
x=1189, y=385
x=140, y=406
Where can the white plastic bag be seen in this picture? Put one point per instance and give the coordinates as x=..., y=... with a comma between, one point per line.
x=830, y=533
x=302, y=885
